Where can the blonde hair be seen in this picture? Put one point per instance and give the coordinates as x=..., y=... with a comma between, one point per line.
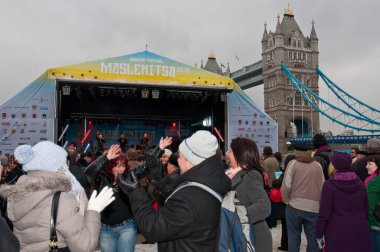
x=331, y=170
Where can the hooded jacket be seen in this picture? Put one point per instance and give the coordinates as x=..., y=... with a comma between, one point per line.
x=29, y=207
x=343, y=214
x=189, y=220
x=249, y=187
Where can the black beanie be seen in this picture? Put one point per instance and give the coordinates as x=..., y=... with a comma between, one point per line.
x=319, y=140
x=267, y=151
x=174, y=159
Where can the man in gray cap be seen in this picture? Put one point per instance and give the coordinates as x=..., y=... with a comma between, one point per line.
x=301, y=191
x=189, y=220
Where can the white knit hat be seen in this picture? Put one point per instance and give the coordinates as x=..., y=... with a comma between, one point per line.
x=200, y=146
x=45, y=156
x=168, y=152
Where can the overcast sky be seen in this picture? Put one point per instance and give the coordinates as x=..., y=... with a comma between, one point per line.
x=41, y=34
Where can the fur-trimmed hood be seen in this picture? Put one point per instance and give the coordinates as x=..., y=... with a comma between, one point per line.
x=30, y=190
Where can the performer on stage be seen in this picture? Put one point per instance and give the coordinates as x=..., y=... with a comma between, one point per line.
x=101, y=141
x=144, y=143
x=123, y=143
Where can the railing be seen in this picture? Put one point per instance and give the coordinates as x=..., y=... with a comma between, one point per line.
x=255, y=80
x=246, y=69
x=337, y=139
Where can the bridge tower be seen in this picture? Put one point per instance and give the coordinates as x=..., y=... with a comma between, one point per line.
x=212, y=64
x=282, y=102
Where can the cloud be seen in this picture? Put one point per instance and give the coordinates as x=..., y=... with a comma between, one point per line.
x=40, y=34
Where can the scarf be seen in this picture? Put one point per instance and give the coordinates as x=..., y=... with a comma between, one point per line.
x=231, y=172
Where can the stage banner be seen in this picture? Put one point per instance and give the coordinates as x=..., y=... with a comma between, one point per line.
x=245, y=119
x=142, y=68
x=28, y=117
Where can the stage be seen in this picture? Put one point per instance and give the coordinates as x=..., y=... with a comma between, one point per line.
x=131, y=110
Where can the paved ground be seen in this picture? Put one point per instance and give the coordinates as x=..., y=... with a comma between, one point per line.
x=276, y=235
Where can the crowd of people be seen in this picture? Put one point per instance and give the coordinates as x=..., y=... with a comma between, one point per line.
x=104, y=200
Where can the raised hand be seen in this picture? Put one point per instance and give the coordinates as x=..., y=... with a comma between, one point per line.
x=128, y=184
x=113, y=152
x=165, y=142
x=104, y=198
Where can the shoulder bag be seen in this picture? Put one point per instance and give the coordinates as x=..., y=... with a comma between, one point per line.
x=53, y=242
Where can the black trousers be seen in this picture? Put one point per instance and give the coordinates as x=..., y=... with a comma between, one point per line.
x=284, y=234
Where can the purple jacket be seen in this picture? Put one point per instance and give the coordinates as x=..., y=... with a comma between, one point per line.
x=342, y=217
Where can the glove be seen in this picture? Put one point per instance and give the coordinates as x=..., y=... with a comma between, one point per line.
x=153, y=164
x=150, y=168
x=104, y=198
x=321, y=242
x=140, y=171
x=128, y=185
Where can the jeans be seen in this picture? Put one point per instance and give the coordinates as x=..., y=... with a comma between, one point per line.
x=375, y=239
x=119, y=238
x=295, y=220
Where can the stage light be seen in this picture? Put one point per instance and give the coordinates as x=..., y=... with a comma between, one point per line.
x=174, y=124
x=145, y=93
x=66, y=90
x=101, y=92
x=155, y=94
x=207, y=121
x=78, y=91
x=92, y=92
x=133, y=93
x=223, y=97
x=89, y=123
x=115, y=93
x=108, y=94
x=121, y=93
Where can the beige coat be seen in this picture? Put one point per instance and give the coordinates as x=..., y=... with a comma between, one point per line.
x=29, y=206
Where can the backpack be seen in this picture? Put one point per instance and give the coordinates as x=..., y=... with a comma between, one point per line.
x=236, y=232
x=324, y=161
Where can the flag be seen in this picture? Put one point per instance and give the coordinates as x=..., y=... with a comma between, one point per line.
x=237, y=57
x=222, y=66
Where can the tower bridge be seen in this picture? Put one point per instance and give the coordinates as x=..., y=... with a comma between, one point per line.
x=282, y=102
x=289, y=72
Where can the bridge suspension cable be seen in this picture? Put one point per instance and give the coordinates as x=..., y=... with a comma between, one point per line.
x=360, y=108
x=332, y=112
